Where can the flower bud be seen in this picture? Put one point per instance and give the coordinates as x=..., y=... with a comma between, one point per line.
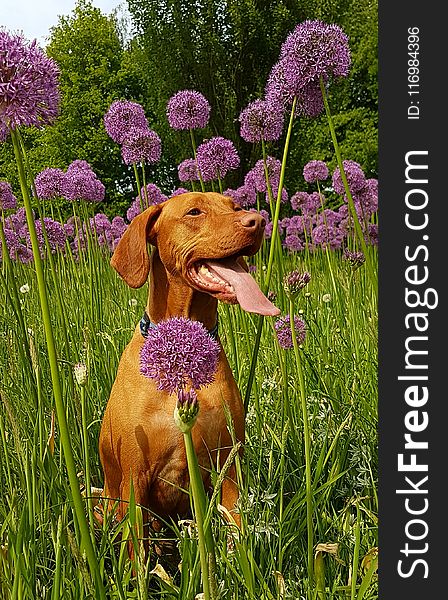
x=187, y=409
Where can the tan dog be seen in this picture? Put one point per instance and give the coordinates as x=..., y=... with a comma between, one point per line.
x=199, y=239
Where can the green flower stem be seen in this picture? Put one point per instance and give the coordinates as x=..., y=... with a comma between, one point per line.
x=351, y=204
x=307, y=444
x=139, y=187
x=145, y=191
x=193, y=144
x=49, y=255
x=267, y=280
x=200, y=509
x=85, y=440
x=355, y=563
x=278, y=243
x=57, y=391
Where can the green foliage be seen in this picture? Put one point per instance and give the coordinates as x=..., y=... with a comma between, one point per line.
x=226, y=49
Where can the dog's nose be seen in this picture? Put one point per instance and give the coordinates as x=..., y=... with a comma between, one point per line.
x=253, y=221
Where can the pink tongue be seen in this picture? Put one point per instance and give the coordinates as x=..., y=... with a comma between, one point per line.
x=248, y=294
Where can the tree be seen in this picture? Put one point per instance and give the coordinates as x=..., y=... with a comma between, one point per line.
x=226, y=48
x=94, y=70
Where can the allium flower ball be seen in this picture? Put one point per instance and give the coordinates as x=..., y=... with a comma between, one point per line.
x=29, y=92
x=216, y=158
x=188, y=109
x=7, y=198
x=12, y=243
x=355, y=259
x=121, y=117
x=327, y=235
x=55, y=235
x=355, y=177
x=82, y=165
x=188, y=170
x=49, y=183
x=150, y=195
x=293, y=243
x=260, y=121
x=294, y=281
x=315, y=170
x=283, y=329
x=284, y=84
x=298, y=200
x=179, y=353
x=317, y=49
x=179, y=191
x=82, y=184
x=244, y=196
x=256, y=177
x=141, y=146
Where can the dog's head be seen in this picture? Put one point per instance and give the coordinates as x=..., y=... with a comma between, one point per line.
x=201, y=237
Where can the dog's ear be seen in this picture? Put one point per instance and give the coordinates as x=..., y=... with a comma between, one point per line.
x=130, y=258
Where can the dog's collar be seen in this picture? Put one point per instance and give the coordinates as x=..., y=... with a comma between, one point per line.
x=146, y=325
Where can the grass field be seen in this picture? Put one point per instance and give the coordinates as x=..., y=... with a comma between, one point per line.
x=93, y=315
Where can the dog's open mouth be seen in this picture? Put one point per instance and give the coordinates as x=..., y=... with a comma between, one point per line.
x=228, y=281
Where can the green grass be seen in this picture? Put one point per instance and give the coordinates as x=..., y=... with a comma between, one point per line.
x=40, y=553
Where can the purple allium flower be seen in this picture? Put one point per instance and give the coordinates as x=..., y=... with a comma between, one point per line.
x=355, y=259
x=179, y=191
x=100, y=226
x=12, y=243
x=149, y=196
x=296, y=225
x=298, y=200
x=274, y=189
x=317, y=49
x=141, y=145
x=244, y=196
x=117, y=227
x=283, y=329
x=55, y=234
x=49, y=183
x=82, y=165
x=284, y=84
x=312, y=204
x=24, y=254
x=29, y=92
x=260, y=121
x=256, y=177
x=17, y=220
x=293, y=243
x=324, y=236
x=327, y=217
x=121, y=117
x=72, y=225
x=82, y=184
x=188, y=109
x=315, y=170
x=355, y=177
x=372, y=234
x=294, y=281
x=216, y=157
x=7, y=198
x=366, y=199
x=179, y=353
x=4, y=132
x=188, y=170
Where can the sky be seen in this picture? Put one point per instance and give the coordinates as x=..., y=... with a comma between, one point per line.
x=35, y=17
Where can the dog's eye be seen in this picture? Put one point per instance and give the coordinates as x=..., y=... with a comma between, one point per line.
x=194, y=212
x=237, y=208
